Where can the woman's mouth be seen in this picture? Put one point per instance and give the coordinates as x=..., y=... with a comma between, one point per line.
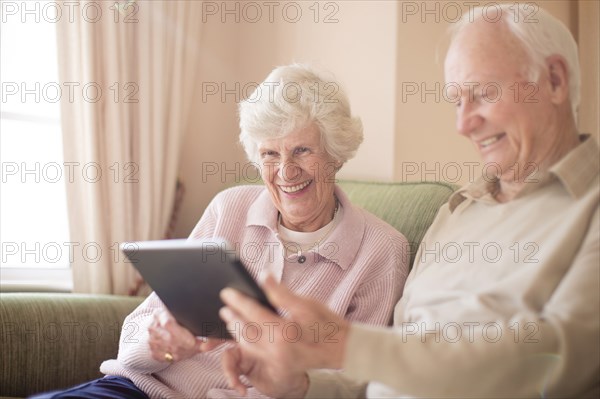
x=296, y=188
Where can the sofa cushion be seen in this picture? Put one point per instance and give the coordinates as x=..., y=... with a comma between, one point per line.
x=408, y=207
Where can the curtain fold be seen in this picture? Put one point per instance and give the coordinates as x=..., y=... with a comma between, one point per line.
x=133, y=68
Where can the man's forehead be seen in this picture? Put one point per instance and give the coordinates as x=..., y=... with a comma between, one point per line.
x=487, y=49
x=483, y=36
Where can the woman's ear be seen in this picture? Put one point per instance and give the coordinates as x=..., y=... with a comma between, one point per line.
x=559, y=78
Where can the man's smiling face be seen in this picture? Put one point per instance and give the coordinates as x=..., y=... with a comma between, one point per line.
x=506, y=117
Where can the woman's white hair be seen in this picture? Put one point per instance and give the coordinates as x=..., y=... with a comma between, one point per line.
x=293, y=97
x=541, y=35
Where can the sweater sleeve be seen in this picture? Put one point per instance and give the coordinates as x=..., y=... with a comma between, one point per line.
x=134, y=351
x=207, y=224
x=374, y=302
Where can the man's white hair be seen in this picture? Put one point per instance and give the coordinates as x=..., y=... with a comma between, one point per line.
x=541, y=35
x=293, y=97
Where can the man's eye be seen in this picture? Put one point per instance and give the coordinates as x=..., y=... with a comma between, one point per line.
x=490, y=94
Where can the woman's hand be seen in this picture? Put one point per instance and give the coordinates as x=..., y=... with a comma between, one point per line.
x=170, y=342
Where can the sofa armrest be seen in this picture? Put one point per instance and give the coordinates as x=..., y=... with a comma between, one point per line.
x=53, y=341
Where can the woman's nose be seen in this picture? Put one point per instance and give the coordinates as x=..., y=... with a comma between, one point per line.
x=289, y=171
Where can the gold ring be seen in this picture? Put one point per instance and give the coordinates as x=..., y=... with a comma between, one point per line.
x=168, y=357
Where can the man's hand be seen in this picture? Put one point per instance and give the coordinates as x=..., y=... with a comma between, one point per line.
x=169, y=341
x=273, y=352
x=272, y=380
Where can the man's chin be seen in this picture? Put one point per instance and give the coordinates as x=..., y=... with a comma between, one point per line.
x=495, y=168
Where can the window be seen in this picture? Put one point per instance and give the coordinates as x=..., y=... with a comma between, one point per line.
x=34, y=230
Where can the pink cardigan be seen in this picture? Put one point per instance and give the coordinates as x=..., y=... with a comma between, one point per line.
x=359, y=272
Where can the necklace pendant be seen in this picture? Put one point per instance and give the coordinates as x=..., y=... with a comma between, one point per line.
x=301, y=259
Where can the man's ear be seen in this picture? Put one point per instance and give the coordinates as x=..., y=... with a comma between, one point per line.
x=559, y=78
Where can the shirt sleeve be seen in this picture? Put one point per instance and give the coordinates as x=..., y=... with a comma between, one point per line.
x=551, y=353
x=332, y=384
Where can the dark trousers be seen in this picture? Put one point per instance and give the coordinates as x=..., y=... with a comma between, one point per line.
x=109, y=387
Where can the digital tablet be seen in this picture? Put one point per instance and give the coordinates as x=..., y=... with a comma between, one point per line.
x=187, y=275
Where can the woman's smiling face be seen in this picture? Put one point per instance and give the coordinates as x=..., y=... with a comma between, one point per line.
x=300, y=177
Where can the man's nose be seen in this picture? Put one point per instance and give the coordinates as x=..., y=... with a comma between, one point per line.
x=467, y=118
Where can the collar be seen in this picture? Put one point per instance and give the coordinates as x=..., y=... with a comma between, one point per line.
x=343, y=243
x=575, y=171
x=263, y=213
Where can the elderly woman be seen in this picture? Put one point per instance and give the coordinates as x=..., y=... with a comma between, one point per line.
x=300, y=227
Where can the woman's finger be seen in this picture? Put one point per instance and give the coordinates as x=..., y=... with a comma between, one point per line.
x=208, y=344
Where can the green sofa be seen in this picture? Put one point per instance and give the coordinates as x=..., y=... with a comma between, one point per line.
x=52, y=341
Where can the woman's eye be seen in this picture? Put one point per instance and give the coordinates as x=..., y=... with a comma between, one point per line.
x=301, y=150
x=268, y=154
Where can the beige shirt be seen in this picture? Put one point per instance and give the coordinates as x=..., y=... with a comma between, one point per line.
x=503, y=299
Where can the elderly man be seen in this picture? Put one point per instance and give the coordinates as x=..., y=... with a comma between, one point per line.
x=514, y=311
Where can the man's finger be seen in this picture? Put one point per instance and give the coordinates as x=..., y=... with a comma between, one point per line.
x=244, y=308
x=236, y=324
x=279, y=295
x=231, y=368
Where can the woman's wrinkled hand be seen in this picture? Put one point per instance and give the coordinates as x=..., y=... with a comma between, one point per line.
x=170, y=342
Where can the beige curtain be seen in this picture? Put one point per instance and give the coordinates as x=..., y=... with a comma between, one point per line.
x=130, y=67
